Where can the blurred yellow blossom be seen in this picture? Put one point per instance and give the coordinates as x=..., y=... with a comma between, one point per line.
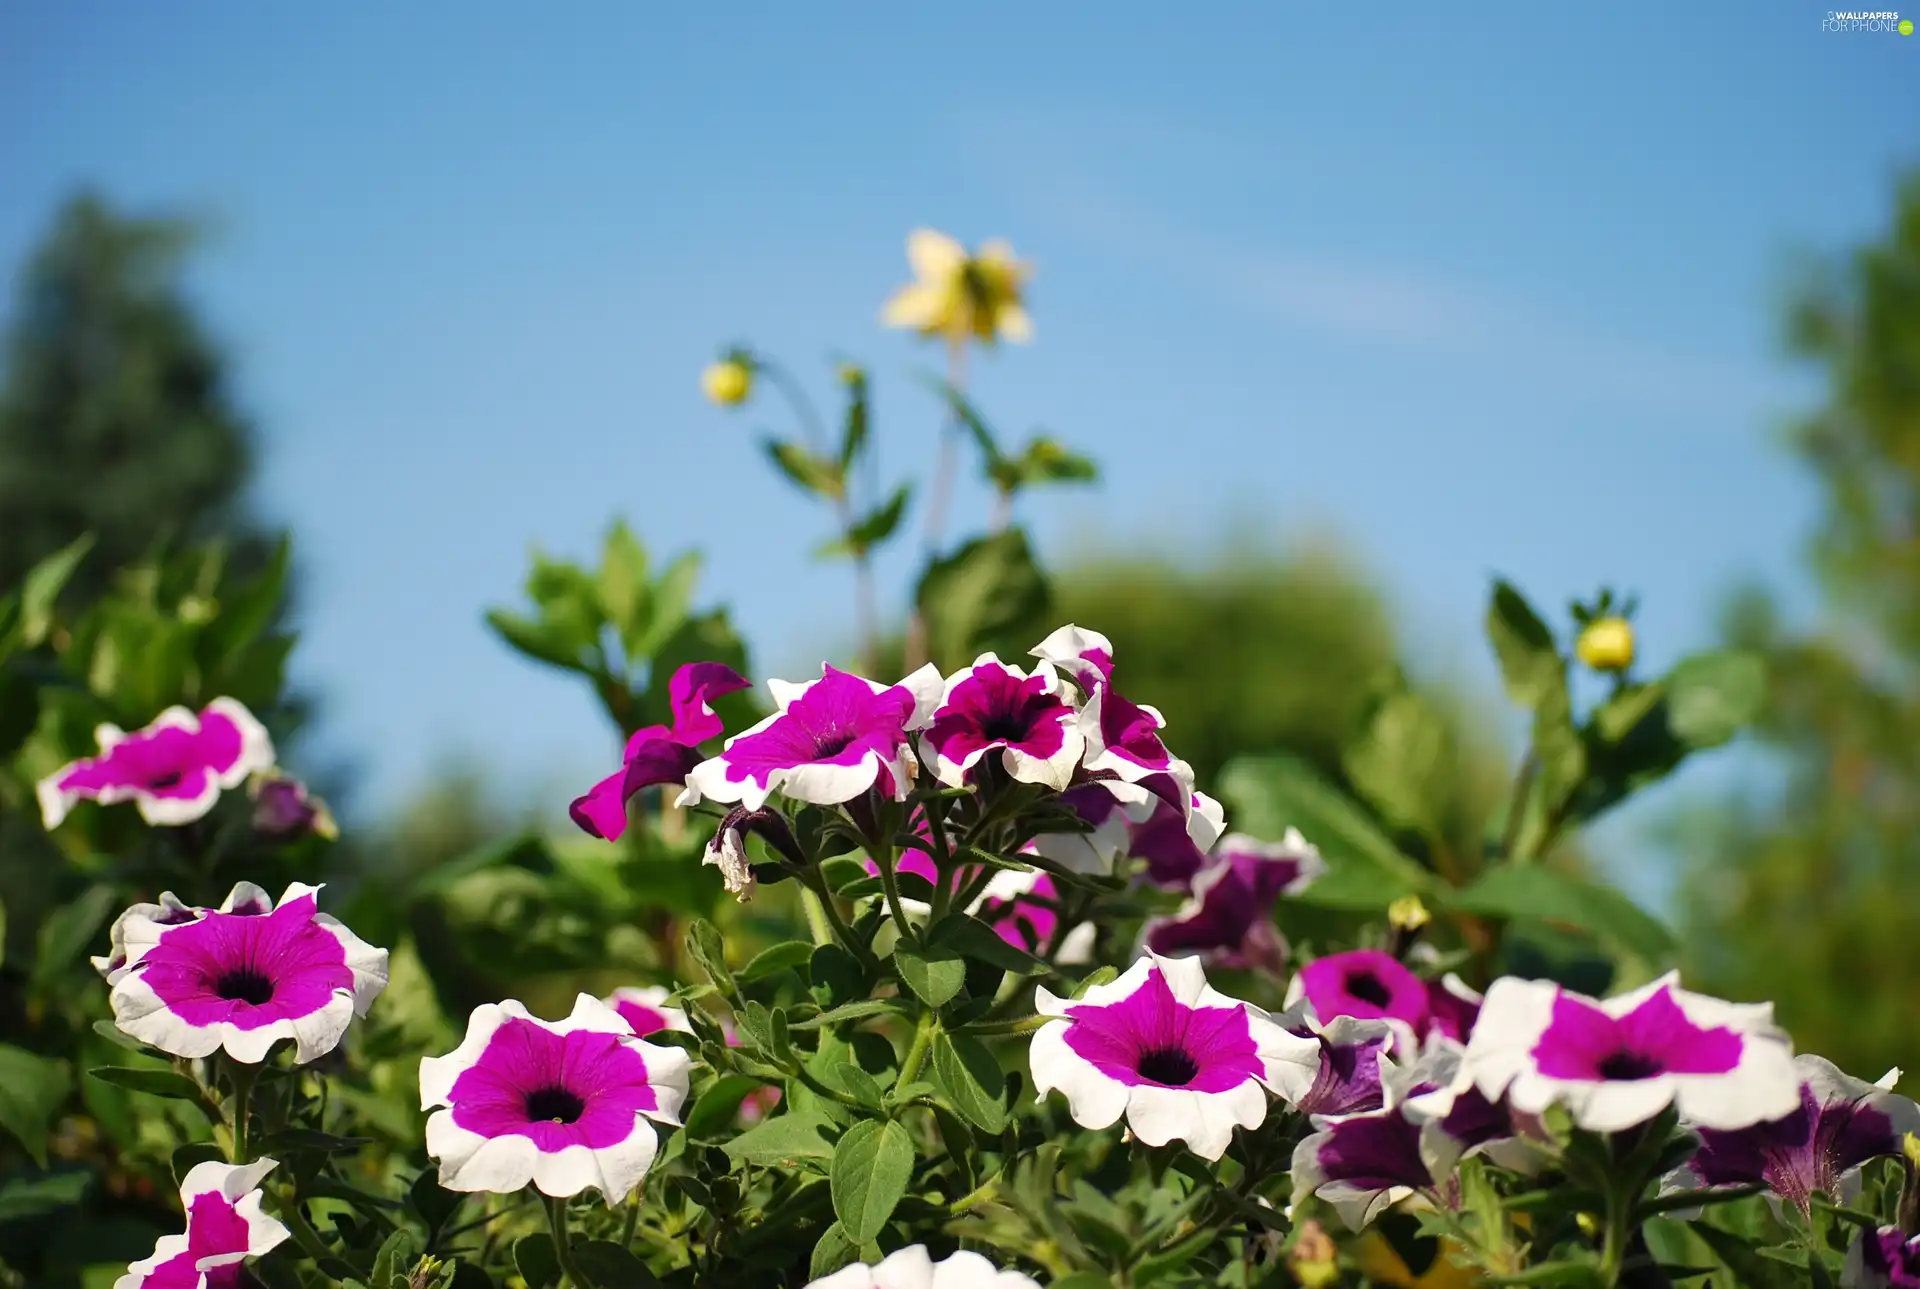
x=960, y=296
x=1314, y=1260
x=1408, y=914
x=1606, y=644
x=728, y=382
x=1379, y=1262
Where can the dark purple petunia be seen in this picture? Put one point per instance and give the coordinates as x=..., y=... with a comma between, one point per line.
x=1888, y=1258
x=1228, y=918
x=283, y=808
x=1349, y=1078
x=659, y=754
x=1840, y=1124
x=1174, y=842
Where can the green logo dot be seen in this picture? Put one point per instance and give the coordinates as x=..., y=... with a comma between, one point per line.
x=1906, y=26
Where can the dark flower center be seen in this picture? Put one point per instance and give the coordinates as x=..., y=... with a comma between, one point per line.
x=1625, y=1065
x=1168, y=1065
x=831, y=744
x=167, y=779
x=1366, y=986
x=555, y=1104
x=244, y=985
x=1008, y=724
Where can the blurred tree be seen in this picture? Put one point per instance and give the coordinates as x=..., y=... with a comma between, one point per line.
x=1807, y=898
x=115, y=412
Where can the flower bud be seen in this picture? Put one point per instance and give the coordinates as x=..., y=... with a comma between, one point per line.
x=727, y=382
x=283, y=808
x=1606, y=644
x=1313, y=1259
x=1408, y=914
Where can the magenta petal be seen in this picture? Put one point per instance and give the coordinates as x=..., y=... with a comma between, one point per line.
x=602, y=812
x=691, y=692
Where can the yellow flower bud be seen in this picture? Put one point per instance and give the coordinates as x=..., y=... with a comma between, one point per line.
x=727, y=382
x=1314, y=1260
x=1910, y=1147
x=1408, y=914
x=1606, y=644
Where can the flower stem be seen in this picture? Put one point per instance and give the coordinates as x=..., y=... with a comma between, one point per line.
x=817, y=923
x=1613, y=1251
x=1008, y=1028
x=242, y=1077
x=633, y=1220
x=978, y=1195
x=562, y=1246
x=940, y=494
x=922, y=1043
x=303, y=1233
x=884, y=858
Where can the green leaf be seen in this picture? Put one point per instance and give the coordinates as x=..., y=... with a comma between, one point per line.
x=311, y=1139
x=534, y=1258
x=871, y=1168
x=935, y=974
x=975, y=939
x=1616, y=718
x=988, y=595
x=40, y=590
x=1529, y=661
x=719, y=1106
x=1045, y=460
x=32, y=1090
x=609, y=1266
x=250, y=610
x=968, y=416
x=871, y=529
x=1713, y=696
x=970, y=1079
x=28, y=1197
x=837, y=972
x=66, y=933
x=672, y=602
x=1365, y=869
x=805, y=470
x=844, y=1076
x=787, y=956
x=703, y=941
x=537, y=640
x=783, y=1140
x=857, y=1010
x=854, y=436
x=831, y=1252
x=157, y=1083
x=622, y=584
x=1530, y=891
x=393, y=1260
x=1397, y=761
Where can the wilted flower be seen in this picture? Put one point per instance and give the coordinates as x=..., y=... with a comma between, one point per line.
x=658, y=754
x=1888, y=1258
x=1618, y=1063
x=1840, y=1123
x=1606, y=644
x=913, y=1268
x=831, y=740
x=1228, y=918
x=644, y=1008
x=994, y=707
x=282, y=807
x=561, y=1104
x=173, y=770
x=1019, y=907
x=225, y=1227
x=244, y=976
x=961, y=297
x=728, y=382
x=1181, y=1061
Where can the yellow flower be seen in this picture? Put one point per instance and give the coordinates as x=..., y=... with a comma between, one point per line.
x=1606, y=644
x=1408, y=914
x=727, y=382
x=1379, y=1263
x=961, y=297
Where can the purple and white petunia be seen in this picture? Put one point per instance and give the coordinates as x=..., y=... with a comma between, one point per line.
x=1122, y=737
x=1174, y=840
x=659, y=755
x=1347, y=1079
x=1840, y=1124
x=644, y=1008
x=1888, y=1258
x=174, y=769
x=1228, y=918
x=1366, y=983
x=561, y=1104
x=1020, y=907
x=1109, y=822
x=1364, y=1163
x=993, y=707
x=1181, y=1061
x=244, y=976
x=225, y=1227
x=170, y=911
x=831, y=740
x=1618, y=1063
x=914, y=1268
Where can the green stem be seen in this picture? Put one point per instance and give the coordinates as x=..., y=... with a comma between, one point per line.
x=817, y=923
x=1008, y=1028
x=817, y=883
x=1613, y=1251
x=242, y=1077
x=806, y=1076
x=883, y=856
x=303, y=1233
x=633, y=1220
x=562, y=1246
x=978, y=1195
x=922, y=1043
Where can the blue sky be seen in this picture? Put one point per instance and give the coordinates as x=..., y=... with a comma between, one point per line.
x=1477, y=289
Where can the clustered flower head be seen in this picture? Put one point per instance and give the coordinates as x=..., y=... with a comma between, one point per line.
x=960, y=297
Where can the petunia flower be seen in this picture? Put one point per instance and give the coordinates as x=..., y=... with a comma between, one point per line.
x=173, y=770
x=1123, y=737
x=244, y=976
x=1019, y=907
x=170, y=911
x=1109, y=823
x=659, y=754
x=1452, y=1007
x=1618, y=1063
x=831, y=740
x=1840, y=1123
x=913, y=1268
x=1367, y=983
x=1888, y=1258
x=993, y=707
x=282, y=807
x=561, y=1104
x=1365, y=1163
x=1347, y=1077
x=644, y=1008
x=1228, y=919
x=1173, y=841
x=1181, y=1061
x=959, y=296
x=225, y=1227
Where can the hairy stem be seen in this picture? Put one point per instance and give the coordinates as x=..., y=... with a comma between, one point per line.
x=562, y=1246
